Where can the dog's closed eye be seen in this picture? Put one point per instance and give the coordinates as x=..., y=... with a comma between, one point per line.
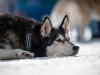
x=68, y=38
x=59, y=40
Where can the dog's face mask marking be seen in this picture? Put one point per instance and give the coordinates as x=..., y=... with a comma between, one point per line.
x=57, y=41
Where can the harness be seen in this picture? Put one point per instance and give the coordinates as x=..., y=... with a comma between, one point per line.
x=28, y=42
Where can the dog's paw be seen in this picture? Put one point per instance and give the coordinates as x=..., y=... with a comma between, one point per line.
x=26, y=55
x=23, y=54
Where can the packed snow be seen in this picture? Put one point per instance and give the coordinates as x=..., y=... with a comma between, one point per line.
x=87, y=62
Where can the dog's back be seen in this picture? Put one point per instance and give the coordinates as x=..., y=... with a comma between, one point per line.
x=15, y=29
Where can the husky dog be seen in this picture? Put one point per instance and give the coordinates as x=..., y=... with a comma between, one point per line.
x=45, y=40
x=79, y=12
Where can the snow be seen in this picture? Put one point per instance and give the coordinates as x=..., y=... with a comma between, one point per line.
x=87, y=62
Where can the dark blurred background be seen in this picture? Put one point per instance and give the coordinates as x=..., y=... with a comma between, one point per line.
x=28, y=8
x=37, y=9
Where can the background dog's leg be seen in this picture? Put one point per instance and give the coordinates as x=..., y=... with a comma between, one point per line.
x=85, y=13
x=13, y=54
x=81, y=33
x=83, y=24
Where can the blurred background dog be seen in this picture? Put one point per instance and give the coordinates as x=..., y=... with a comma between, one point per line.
x=80, y=13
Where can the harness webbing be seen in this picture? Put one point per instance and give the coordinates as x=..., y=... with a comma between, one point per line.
x=28, y=42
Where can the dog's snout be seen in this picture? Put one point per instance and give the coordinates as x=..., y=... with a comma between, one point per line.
x=75, y=48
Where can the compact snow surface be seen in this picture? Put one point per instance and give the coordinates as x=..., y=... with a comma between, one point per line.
x=87, y=62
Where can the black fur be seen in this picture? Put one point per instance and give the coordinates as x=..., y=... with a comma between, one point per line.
x=19, y=27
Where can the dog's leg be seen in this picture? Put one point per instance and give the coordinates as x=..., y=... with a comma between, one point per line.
x=83, y=24
x=81, y=33
x=15, y=54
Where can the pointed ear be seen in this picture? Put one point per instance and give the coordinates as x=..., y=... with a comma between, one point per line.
x=65, y=24
x=46, y=27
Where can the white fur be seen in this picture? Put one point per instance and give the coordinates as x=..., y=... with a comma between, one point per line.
x=59, y=48
x=12, y=54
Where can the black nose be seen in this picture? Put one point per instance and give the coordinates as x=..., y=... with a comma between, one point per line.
x=75, y=48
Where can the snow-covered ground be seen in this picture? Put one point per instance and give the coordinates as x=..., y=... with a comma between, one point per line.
x=87, y=62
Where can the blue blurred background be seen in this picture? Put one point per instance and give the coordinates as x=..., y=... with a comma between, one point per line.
x=37, y=9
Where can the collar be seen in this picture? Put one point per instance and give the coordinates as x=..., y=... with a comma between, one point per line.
x=28, y=42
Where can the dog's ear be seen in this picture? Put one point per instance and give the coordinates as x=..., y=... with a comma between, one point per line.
x=46, y=27
x=65, y=24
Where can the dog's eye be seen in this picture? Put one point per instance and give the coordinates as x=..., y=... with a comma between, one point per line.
x=68, y=38
x=59, y=40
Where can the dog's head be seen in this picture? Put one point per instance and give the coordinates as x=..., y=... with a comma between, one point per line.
x=57, y=41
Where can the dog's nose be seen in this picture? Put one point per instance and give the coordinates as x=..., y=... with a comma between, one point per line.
x=75, y=48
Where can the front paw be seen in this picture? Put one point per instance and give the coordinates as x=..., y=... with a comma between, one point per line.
x=27, y=55
x=23, y=54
